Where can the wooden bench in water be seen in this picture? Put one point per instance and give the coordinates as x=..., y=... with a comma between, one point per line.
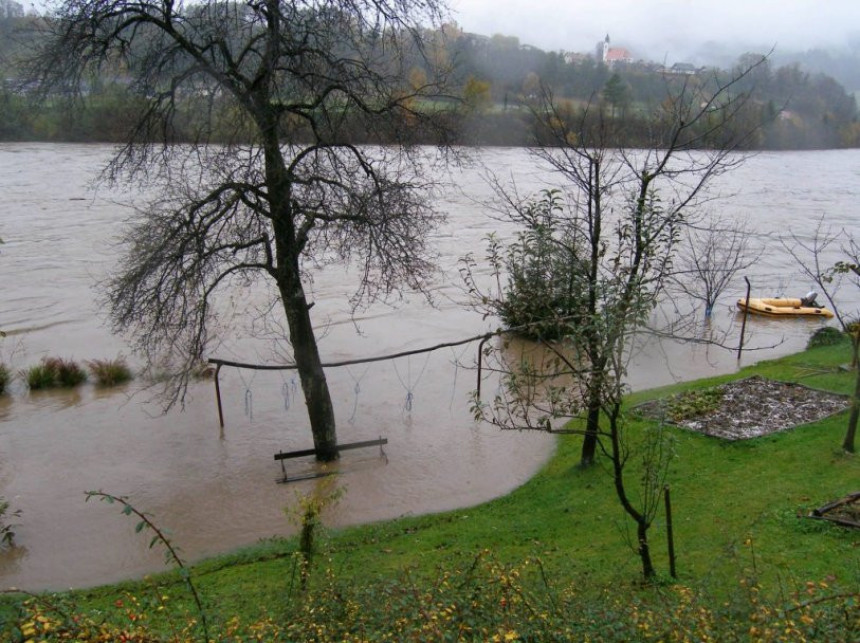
x=287, y=455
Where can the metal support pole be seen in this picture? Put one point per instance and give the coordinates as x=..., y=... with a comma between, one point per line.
x=218, y=395
x=480, y=362
x=744, y=322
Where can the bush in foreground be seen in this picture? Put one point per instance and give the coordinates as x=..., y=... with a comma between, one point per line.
x=485, y=601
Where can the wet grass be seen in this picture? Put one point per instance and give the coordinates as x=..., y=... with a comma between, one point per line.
x=739, y=512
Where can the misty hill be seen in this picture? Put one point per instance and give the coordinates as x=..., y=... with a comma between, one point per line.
x=842, y=63
x=495, y=77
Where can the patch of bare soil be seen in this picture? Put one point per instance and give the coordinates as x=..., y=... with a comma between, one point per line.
x=747, y=408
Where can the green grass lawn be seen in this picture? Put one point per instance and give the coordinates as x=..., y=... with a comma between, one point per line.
x=552, y=559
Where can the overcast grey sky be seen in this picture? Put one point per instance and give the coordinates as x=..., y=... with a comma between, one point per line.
x=664, y=27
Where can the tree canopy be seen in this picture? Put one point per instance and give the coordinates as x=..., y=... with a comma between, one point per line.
x=271, y=95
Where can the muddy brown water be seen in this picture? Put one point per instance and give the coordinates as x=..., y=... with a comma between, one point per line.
x=215, y=489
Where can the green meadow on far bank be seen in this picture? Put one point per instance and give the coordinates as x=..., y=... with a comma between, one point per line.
x=553, y=560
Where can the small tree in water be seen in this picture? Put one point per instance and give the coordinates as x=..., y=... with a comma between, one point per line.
x=270, y=96
x=543, y=272
x=618, y=231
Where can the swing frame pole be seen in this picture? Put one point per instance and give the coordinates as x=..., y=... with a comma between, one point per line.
x=744, y=322
x=481, y=363
x=218, y=395
x=366, y=360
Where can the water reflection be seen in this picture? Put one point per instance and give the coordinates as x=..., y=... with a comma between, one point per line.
x=11, y=558
x=56, y=399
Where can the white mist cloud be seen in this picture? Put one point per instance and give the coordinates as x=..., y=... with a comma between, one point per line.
x=658, y=26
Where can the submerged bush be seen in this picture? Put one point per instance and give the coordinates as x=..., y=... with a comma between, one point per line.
x=54, y=372
x=825, y=336
x=546, y=286
x=69, y=373
x=109, y=372
x=5, y=376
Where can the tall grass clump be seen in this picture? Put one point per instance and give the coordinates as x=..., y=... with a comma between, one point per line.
x=109, y=372
x=55, y=372
x=40, y=377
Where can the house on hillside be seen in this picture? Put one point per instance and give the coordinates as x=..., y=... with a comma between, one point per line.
x=681, y=69
x=573, y=58
x=610, y=56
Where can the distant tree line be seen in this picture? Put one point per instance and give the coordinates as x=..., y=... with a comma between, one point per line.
x=492, y=81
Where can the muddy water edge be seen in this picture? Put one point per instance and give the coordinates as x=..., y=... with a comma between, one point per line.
x=215, y=488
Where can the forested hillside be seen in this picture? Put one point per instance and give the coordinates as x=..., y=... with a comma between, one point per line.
x=492, y=82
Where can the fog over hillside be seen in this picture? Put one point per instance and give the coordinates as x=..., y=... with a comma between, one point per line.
x=695, y=31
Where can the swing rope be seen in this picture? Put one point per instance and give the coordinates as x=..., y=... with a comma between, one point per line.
x=457, y=360
x=249, y=395
x=288, y=391
x=356, y=389
x=410, y=387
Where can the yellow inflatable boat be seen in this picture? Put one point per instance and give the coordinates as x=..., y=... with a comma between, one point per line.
x=778, y=307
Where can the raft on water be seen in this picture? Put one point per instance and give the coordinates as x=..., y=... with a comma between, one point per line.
x=779, y=307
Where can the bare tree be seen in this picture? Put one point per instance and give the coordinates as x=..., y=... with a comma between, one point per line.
x=621, y=225
x=271, y=97
x=712, y=255
x=631, y=206
x=828, y=276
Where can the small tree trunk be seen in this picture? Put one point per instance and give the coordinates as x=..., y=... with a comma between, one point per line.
x=850, y=434
x=592, y=425
x=640, y=518
x=644, y=550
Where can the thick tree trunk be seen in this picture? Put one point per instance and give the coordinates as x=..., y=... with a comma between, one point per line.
x=287, y=274
x=311, y=373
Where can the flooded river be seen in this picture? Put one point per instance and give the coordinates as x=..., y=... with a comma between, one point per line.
x=215, y=489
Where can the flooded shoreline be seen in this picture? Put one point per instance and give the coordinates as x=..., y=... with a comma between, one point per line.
x=216, y=489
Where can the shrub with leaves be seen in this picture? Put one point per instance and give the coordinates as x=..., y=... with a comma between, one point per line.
x=109, y=372
x=545, y=272
x=479, y=600
x=171, y=555
x=307, y=515
x=826, y=336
